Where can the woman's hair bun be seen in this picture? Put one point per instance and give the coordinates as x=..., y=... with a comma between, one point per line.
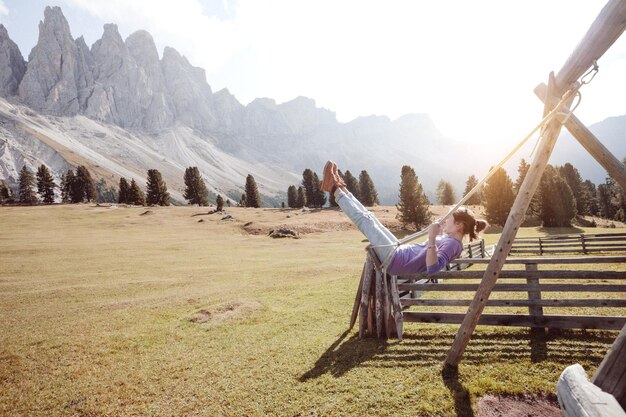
x=481, y=225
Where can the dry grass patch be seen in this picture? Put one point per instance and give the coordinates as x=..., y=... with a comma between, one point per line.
x=226, y=311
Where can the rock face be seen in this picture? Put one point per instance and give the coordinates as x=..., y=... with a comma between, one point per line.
x=50, y=81
x=12, y=64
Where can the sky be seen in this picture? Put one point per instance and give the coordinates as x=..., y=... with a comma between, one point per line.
x=471, y=66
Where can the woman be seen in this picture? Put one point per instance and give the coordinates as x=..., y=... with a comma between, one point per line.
x=445, y=240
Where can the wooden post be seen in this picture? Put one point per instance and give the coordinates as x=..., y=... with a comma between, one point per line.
x=582, y=241
x=540, y=248
x=615, y=168
x=378, y=304
x=611, y=374
x=357, y=299
x=515, y=219
x=535, y=312
x=365, y=295
x=604, y=31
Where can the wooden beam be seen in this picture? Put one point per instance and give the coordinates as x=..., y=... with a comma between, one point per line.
x=602, y=33
x=516, y=216
x=521, y=320
x=615, y=168
x=611, y=374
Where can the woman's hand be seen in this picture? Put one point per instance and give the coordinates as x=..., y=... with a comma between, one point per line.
x=434, y=230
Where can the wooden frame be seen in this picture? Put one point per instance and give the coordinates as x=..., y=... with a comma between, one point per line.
x=605, y=30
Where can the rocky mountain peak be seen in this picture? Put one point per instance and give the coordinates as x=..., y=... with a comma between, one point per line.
x=12, y=64
x=49, y=83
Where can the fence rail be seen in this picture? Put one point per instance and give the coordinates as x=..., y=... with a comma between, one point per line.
x=570, y=243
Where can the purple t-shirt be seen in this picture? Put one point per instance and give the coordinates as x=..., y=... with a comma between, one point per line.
x=411, y=259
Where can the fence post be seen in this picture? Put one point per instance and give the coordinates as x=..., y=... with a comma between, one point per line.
x=582, y=240
x=534, y=293
x=540, y=248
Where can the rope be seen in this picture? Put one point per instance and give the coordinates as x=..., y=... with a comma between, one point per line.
x=547, y=118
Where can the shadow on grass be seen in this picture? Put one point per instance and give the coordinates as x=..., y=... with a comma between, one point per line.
x=430, y=348
x=462, y=400
x=345, y=354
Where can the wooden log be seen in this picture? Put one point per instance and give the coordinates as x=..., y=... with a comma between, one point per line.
x=564, y=287
x=572, y=260
x=520, y=320
x=396, y=306
x=579, y=397
x=603, y=32
x=371, y=323
x=546, y=302
x=389, y=323
x=517, y=274
x=611, y=374
x=357, y=300
x=515, y=219
x=378, y=310
x=365, y=296
x=595, y=148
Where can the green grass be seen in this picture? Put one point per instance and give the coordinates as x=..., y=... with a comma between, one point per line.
x=97, y=304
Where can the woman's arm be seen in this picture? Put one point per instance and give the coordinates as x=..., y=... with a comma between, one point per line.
x=431, y=250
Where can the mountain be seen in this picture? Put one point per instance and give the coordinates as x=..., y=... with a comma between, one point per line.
x=611, y=132
x=120, y=109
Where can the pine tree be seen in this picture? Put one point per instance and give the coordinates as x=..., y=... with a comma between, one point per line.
x=6, y=196
x=124, y=193
x=67, y=186
x=84, y=182
x=445, y=193
x=156, y=189
x=534, y=206
x=45, y=184
x=592, y=192
x=26, y=181
x=309, y=187
x=413, y=203
x=522, y=170
x=369, y=196
x=575, y=182
x=242, y=201
x=472, y=182
x=352, y=184
x=292, y=196
x=195, y=189
x=219, y=202
x=558, y=206
x=318, y=195
x=252, y=193
x=499, y=197
x=301, y=200
x=105, y=193
x=136, y=196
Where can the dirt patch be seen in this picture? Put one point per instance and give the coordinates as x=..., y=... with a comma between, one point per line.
x=226, y=311
x=519, y=406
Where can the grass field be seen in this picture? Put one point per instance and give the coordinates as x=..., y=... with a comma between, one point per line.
x=164, y=312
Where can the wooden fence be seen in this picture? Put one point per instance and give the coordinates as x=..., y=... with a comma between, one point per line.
x=570, y=243
x=384, y=302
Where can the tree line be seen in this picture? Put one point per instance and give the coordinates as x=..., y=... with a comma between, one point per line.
x=308, y=193
x=78, y=186
x=560, y=197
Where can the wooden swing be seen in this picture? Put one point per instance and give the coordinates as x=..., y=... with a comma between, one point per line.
x=378, y=298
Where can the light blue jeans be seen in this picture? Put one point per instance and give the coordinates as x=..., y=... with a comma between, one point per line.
x=369, y=225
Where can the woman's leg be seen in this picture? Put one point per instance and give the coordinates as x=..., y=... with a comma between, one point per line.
x=367, y=223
